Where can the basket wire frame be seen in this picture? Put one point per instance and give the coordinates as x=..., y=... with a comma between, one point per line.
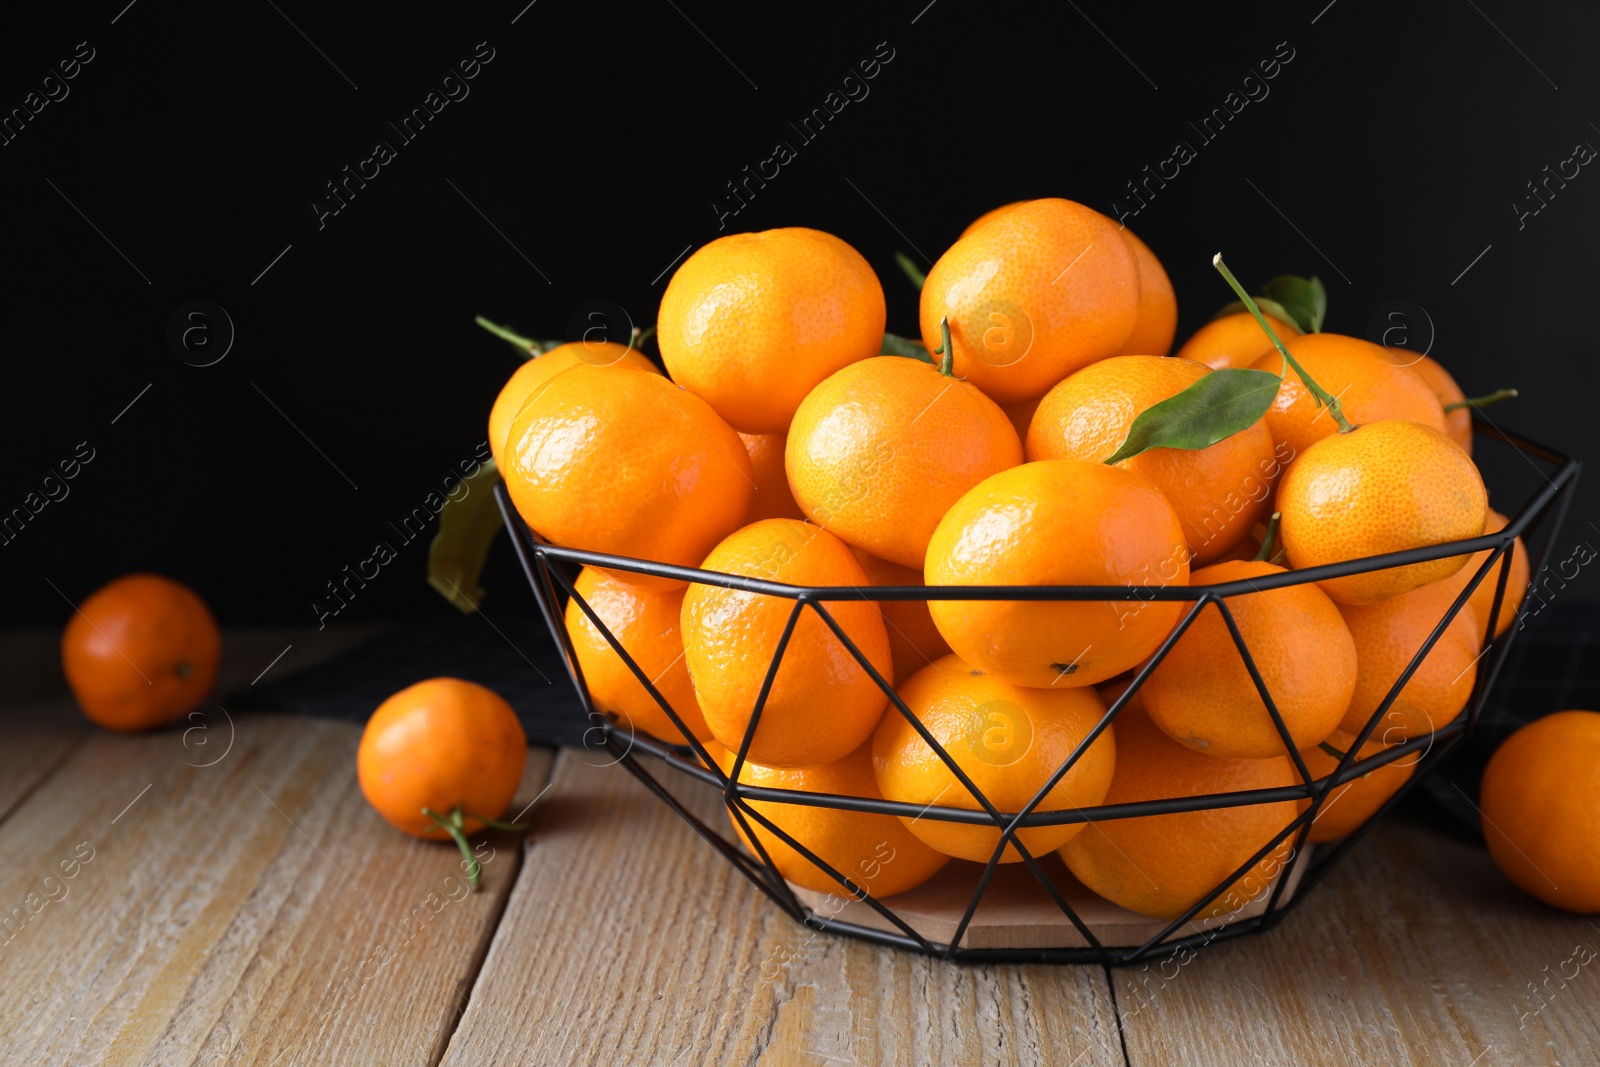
x=546, y=567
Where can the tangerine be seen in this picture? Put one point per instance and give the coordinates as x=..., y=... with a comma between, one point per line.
x=626, y=463
x=644, y=620
x=540, y=369
x=879, y=451
x=1202, y=695
x=1162, y=865
x=1355, y=372
x=1007, y=739
x=753, y=321
x=1387, y=636
x=822, y=704
x=1383, y=487
x=1235, y=341
x=1057, y=522
x=1219, y=493
x=140, y=652
x=1540, y=801
x=1032, y=295
x=875, y=852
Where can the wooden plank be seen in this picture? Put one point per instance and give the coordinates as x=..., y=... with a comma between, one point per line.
x=627, y=940
x=1415, y=951
x=37, y=717
x=41, y=724
x=252, y=911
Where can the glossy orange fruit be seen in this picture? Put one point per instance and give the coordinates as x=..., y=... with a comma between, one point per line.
x=1032, y=295
x=1387, y=635
x=771, y=498
x=1007, y=739
x=1540, y=801
x=822, y=704
x=441, y=744
x=1355, y=372
x=1236, y=340
x=753, y=321
x=1202, y=695
x=644, y=620
x=1162, y=865
x=1157, y=321
x=880, y=450
x=1482, y=599
x=140, y=652
x=1458, y=423
x=914, y=641
x=1218, y=493
x=1058, y=522
x=624, y=462
x=1383, y=487
x=1350, y=805
x=540, y=369
x=875, y=852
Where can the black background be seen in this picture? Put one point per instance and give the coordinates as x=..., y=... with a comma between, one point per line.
x=1392, y=148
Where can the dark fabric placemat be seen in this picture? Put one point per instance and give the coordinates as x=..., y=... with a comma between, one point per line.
x=1553, y=664
x=514, y=657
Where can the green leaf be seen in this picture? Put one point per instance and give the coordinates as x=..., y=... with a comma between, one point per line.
x=467, y=527
x=909, y=266
x=1217, y=406
x=1304, y=299
x=895, y=345
x=1267, y=306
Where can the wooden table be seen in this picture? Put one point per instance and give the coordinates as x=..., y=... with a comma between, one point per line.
x=240, y=904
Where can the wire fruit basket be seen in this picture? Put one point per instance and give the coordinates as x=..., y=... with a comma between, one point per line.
x=1035, y=911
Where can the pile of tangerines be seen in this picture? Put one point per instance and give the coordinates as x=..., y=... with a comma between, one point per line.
x=1040, y=435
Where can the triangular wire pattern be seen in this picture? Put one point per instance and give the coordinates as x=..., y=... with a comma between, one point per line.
x=544, y=566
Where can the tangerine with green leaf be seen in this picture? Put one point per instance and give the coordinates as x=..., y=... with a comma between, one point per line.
x=1219, y=491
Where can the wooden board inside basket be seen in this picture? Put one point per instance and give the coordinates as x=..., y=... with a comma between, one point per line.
x=1016, y=912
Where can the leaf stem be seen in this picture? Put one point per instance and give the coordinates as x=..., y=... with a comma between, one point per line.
x=947, y=354
x=636, y=342
x=505, y=334
x=1482, y=401
x=454, y=827
x=907, y=265
x=1267, y=541
x=1322, y=396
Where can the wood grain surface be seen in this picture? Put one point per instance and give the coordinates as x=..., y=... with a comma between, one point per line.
x=629, y=941
x=177, y=899
x=169, y=898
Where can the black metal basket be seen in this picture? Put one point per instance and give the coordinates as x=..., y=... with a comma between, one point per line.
x=546, y=567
